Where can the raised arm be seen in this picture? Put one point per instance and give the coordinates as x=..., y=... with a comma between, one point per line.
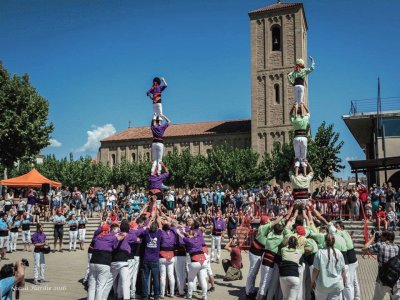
x=165, y=83
x=166, y=118
x=228, y=246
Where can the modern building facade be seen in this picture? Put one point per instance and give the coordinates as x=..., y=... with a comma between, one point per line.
x=378, y=134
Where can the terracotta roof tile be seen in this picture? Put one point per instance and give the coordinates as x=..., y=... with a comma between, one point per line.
x=276, y=6
x=176, y=130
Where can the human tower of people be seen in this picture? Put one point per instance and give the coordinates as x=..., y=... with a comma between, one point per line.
x=153, y=243
x=302, y=255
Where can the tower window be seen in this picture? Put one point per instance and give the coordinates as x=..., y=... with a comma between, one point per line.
x=277, y=94
x=276, y=38
x=113, y=159
x=148, y=156
x=133, y=156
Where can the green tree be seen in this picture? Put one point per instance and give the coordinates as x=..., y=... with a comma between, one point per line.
x=324, y=152
x=24, y=128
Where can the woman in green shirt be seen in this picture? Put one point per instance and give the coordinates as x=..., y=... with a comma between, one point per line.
x=289, y=269
x=329, y=276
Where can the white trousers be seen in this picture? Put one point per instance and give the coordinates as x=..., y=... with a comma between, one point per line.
x=180, y=271
x=99, y=275
x=195, y=268
x=13, y=241
x=157, y=150
x=266, y=277
x=215, y=247
x=119, y=279
x=329, y=296
x=73, y=236
x=357, y=291
x=208, y=265
x=301, y=290
x=349, y=292
x=38, y=265
x=157, y=108
x=133, y=266
x=87, y=274
x=4, y=242
x=167, y=268
x=381, y=291
x=300, y=149
x=289, y=287
x=274, y=290
x=82, y=234
x=26, y=236
x=255, y=263
x=299, y=94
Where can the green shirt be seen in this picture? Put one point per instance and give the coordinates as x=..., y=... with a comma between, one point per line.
x=319, y=238
x=290, y=254
x=340, y=243
x=330, y=273
x=301, y=181
x=313, y=245
x=262, y=233
x=347, y=238
x=300, y=74
x=300, y=123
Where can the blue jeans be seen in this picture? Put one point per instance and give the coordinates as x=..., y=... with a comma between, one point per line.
x=154, y=268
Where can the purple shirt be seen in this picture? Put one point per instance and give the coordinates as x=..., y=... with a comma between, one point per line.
x=158, y=131
x=194, y=244
x=129, y=240
x=218, y=224
x=31, y=200
x=152, y=242
x=38, y=238
x=107, y=242
x=168, y=239
x=156, y=92
x=198, y=232
x=155, y=182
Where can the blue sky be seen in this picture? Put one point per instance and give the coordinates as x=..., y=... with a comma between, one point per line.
x=94, y=60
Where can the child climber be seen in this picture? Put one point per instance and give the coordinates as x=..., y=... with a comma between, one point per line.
x=297, y=77
x=159, y=85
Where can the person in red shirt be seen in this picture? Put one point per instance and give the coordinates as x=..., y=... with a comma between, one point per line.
x=381, y=218
x=232, y=267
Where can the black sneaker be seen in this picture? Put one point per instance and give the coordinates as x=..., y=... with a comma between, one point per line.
x=212, y=289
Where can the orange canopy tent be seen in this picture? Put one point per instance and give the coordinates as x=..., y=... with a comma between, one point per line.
x=30, y=179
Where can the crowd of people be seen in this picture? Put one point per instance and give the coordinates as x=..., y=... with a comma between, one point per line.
x=136, y=222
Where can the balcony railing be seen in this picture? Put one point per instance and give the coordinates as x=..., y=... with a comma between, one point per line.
x=370, y=105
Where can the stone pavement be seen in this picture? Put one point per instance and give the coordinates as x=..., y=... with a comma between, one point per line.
x=64, y=270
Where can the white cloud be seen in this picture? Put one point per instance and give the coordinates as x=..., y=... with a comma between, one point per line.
x=351, y=158
x=54, y=143
x=95, y=135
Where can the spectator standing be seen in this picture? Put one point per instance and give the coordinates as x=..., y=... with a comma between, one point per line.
x=385, y=250
x=39, y=242
x=73, y=232
x=4, y=231
x=26, y=231
x=59, y=222
x=217, y=233
x=14, y=228
x=82, y=220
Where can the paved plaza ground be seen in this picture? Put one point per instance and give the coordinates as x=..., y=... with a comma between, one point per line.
x=64, y=270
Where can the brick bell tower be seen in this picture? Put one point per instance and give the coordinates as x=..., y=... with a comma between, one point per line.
x=278, y=38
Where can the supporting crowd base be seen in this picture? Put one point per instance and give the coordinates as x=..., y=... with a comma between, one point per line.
x=64, y=270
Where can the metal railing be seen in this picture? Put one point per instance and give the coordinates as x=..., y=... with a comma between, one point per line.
x=370, y=105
